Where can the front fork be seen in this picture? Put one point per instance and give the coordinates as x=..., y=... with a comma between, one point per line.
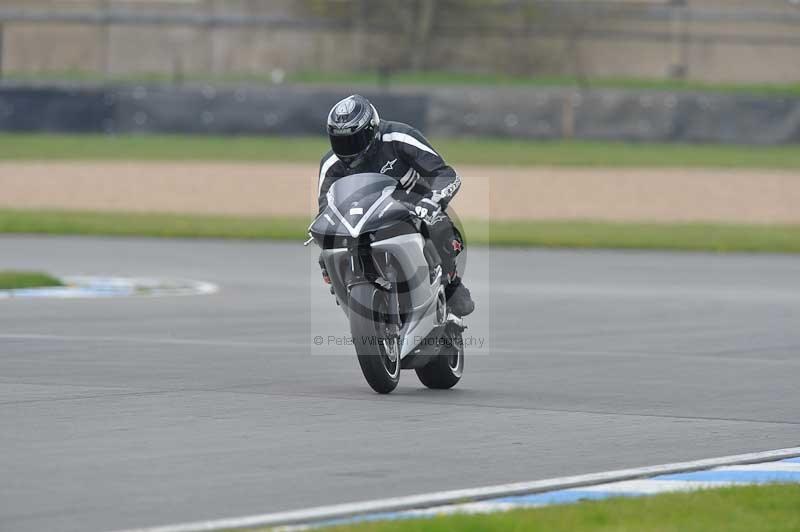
x=363, y=269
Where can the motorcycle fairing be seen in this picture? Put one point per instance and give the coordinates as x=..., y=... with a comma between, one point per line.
x=363, y=219
x=359, y=204
x=356, y=230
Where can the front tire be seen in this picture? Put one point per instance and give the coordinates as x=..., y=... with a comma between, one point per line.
x=378, y=351
x=445, y=370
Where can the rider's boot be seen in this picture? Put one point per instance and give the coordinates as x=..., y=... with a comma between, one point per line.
x=459, y=300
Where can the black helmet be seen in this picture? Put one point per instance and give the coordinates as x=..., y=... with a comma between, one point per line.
x=352, y=127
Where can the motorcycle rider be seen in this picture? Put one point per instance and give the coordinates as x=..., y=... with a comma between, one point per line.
x=363, y=143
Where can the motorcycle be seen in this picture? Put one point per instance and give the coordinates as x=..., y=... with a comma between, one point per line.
x=387, y=277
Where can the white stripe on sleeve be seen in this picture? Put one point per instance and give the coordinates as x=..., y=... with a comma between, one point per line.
x=330, y=161
x=406, y=176
x=408, y=139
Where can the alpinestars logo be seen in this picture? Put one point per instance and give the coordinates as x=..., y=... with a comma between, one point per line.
x=388, y=166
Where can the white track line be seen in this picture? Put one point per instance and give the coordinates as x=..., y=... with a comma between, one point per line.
x=394, y=504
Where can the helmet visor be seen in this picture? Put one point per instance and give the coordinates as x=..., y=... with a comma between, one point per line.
x=348, y=146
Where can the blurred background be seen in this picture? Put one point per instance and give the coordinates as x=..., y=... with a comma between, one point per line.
x=640, y=51
x=714, y=41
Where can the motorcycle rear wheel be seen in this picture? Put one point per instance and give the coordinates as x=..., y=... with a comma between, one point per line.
x=378, y=352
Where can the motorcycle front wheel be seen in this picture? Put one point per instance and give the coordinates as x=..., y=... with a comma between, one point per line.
x=446, y=368
x=378, y=350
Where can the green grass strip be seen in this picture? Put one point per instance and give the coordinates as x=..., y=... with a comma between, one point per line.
x=10, y=279
x=442, y=78
x=569, y=234
x=435, y=78
x=487, y=151
x=151, y=225
x=624, y=235
x=774, y=508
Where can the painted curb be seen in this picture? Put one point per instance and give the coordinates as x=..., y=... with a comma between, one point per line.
x=89, y=287
x=417, y=502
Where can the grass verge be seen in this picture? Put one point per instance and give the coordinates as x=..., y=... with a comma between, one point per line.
x=448, y=79
x=624, y=235
x=486, y=151
x=738, y=509
x=409, y=78
x=151, y=225
x=570, y=234
x=10, y=279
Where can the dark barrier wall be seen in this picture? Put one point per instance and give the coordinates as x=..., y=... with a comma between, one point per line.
x=53, y=109
x=201, y=110
x=514, y=113
x=615, y=115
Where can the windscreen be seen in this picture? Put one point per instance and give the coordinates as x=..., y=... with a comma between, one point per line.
x=359, y=190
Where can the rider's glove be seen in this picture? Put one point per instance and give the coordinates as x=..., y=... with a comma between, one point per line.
x=327, y=280
x=427, y=209
x=325, y=277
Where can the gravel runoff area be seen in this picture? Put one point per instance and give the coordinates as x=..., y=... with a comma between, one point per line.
x=628, y=194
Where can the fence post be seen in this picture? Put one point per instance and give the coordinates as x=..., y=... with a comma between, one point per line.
x=104, y=54
x=1, y=51
x=358, y=35
x=679, y=68
x=211, y=48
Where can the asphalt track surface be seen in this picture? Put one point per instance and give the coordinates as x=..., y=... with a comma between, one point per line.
x=131, y=412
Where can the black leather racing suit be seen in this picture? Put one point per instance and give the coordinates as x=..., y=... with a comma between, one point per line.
x=403, y=153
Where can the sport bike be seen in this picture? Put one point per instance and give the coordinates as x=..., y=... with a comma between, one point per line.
x=387, y=277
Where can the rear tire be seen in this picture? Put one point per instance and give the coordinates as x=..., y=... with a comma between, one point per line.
x=378, y=355
x=445, y=370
